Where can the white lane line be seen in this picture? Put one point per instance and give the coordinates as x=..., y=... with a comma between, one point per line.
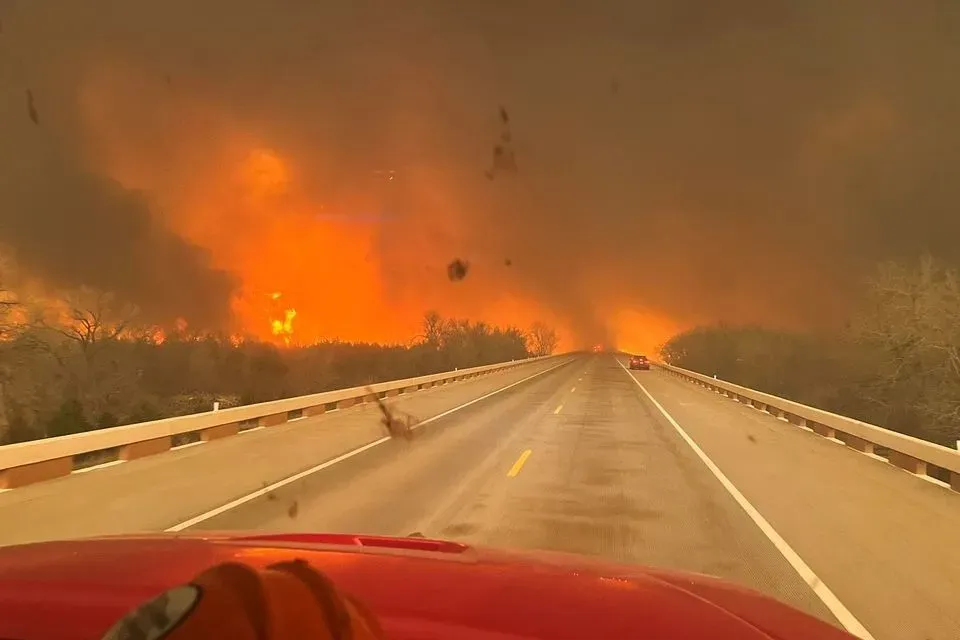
x=186, y=524
x=822, y=591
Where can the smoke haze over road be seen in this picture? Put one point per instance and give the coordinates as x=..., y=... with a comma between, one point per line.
x=676, y=161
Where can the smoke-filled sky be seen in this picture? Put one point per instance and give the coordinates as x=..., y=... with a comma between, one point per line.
x=678, y=161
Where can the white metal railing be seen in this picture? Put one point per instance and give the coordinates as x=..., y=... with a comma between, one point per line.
x=37, y=460
x=913, y=454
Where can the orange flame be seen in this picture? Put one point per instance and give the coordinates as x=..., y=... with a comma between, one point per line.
x=284, y=328
x=384, y=273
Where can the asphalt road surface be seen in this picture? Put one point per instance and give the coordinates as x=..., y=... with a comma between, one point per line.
x=577, y=455
x=162, y=491
x=581, y=460
x=574, y=461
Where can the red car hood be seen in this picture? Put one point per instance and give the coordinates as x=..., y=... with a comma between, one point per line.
x=421, y=589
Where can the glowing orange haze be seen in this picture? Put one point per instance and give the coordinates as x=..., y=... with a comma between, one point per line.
x=245, y=201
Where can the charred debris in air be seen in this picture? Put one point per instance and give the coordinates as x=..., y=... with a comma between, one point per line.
x=504, y=161
x=293, y=509
x=396, y=426
x=32, y=108
x=31, y=103
x=457, y=270
x=504, y=157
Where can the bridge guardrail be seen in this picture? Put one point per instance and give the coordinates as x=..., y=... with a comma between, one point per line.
x=38, y=460
x=913, y=454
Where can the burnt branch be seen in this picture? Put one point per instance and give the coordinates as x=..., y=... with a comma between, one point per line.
x=396, y=426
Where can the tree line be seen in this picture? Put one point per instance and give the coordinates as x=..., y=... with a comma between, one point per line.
x=93, y=366
x=895, y=363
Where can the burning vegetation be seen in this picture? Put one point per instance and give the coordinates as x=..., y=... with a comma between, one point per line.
x=283, y=327
x=82, y=360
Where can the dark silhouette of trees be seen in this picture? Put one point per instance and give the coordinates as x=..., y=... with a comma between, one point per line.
x=89, y=363
x=896, y=364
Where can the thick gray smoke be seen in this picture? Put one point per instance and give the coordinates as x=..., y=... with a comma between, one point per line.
x=64, y=222
x=75, y=228
x=745, y=160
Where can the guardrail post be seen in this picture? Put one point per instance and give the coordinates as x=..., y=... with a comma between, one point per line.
x=219, y=431
x=859, y=444
x=36, y=472
x=909, y=463
x=273, y=420
x=146, y=448
x=829, y=432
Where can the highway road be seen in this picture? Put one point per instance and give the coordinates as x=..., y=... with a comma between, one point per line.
x=577, y=455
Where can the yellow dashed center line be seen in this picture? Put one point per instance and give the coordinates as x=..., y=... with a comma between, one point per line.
x=573, y=389
x=558, y=409
x=515, y=469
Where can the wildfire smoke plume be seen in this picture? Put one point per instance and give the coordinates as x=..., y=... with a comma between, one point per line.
x=671, y=161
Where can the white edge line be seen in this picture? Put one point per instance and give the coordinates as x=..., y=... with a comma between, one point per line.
x=186, y=524
x=822, y=591
x=102, y=465
x=189, y=444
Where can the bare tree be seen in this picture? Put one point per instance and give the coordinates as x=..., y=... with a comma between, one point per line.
x=28, y=373
x=542, y=340
x=9, y=305
x=90, y=325
x=911, y=321
x=8, y=330
x=434, y=328
x=92, y=317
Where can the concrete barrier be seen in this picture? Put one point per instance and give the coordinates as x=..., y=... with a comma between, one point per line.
x=38, y=460
x=912, y=454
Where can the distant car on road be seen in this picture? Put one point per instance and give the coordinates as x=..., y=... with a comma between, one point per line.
x=639, y=362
